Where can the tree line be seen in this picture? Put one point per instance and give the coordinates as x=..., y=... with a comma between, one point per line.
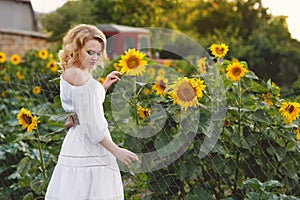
x=252, y=32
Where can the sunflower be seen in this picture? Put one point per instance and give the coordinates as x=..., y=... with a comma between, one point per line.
x=5, y=78
x=36, y=90
x=101, y=80
x=143, y=112
x=52, y=66
x=167, y=63
x=160, y=85
x=298, y=133
x=267, y=98
x=27, y=120
x=227, y=122
x=15, y=59
x=290, y=111
x=201, y=63
x=133, y=62
x=148, y=91
x=3, y=94
x=2, y=57
x=43, y=54
x=161, y=72
x=151, y=72
x=219, y=50
x=235, y=71
x=19, y=75
x=186, y=92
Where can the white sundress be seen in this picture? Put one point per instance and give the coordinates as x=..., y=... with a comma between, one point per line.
x=85, y=170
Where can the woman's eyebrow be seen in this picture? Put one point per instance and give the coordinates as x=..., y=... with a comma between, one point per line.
x=94, y=51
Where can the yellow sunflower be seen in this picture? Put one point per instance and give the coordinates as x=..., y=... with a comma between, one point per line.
x=267, y=98
x=5, y=78
x=15, y=59
x=201, y=63
x=101, y=80
x=290, y=111
x=160, y=85
x=36, y=90
x=151, y=72
x=227, y=122
x=52, y=66
x=148, y=91
x=298, y=133
x=219, y=50
x=43, y=54
x=27, y=120
x=235, y=71
x=19, y=75
x=167, y=63
x=186, y=92
x=133, y=62
x=143, y=112
x=3, y=94
x=51, y=56
x=161, y=72
x=2, y=57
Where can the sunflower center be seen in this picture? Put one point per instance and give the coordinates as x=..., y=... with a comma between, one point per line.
x=133, y=63
x=161, y=84
x=146, y=112
x=236, y=71
x=186, y=92
x=220, y=50
x=290, y=108
x=27, y=118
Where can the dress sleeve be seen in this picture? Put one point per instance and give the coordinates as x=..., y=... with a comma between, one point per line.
x=88, y=106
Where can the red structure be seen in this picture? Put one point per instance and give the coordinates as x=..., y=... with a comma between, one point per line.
x=121, y=38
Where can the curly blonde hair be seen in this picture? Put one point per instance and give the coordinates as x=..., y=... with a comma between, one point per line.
x=74, y=41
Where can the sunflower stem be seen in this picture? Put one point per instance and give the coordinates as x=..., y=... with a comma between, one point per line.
x=135, y=101
x=239, y=92
x=41, y=154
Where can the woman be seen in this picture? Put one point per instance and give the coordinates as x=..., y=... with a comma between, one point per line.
x=86, y=167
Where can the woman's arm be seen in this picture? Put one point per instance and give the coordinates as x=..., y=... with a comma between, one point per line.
x=123, y=155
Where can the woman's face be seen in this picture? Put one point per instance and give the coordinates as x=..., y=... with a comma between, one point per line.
x=90, y=54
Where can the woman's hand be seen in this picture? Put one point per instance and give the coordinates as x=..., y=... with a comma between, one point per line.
x=110, y=79
x=125, y=156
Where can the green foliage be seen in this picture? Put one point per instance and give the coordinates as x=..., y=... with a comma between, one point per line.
x=21, y=151
x=256, y=155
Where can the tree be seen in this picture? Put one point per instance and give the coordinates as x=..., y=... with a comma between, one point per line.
x=59, y=21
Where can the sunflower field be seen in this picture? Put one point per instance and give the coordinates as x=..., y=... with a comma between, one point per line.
x=164, y=112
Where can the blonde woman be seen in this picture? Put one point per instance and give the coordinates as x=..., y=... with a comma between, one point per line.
x=86, y=167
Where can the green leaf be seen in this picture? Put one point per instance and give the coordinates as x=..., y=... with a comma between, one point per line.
x=24, y=166
x=291, y=146
x=251, y=75
x=38, y=185
x=28, y=196
x=252, y=196
x=269, y=185
x=279, y=153
x=253, y=183
x=202, y=193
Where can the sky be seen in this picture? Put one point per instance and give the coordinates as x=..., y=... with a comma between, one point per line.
x=276, y=7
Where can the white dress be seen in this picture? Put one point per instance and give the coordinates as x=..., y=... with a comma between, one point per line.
x=85, y=169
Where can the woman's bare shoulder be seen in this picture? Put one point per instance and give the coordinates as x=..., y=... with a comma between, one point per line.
x=75, y=76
